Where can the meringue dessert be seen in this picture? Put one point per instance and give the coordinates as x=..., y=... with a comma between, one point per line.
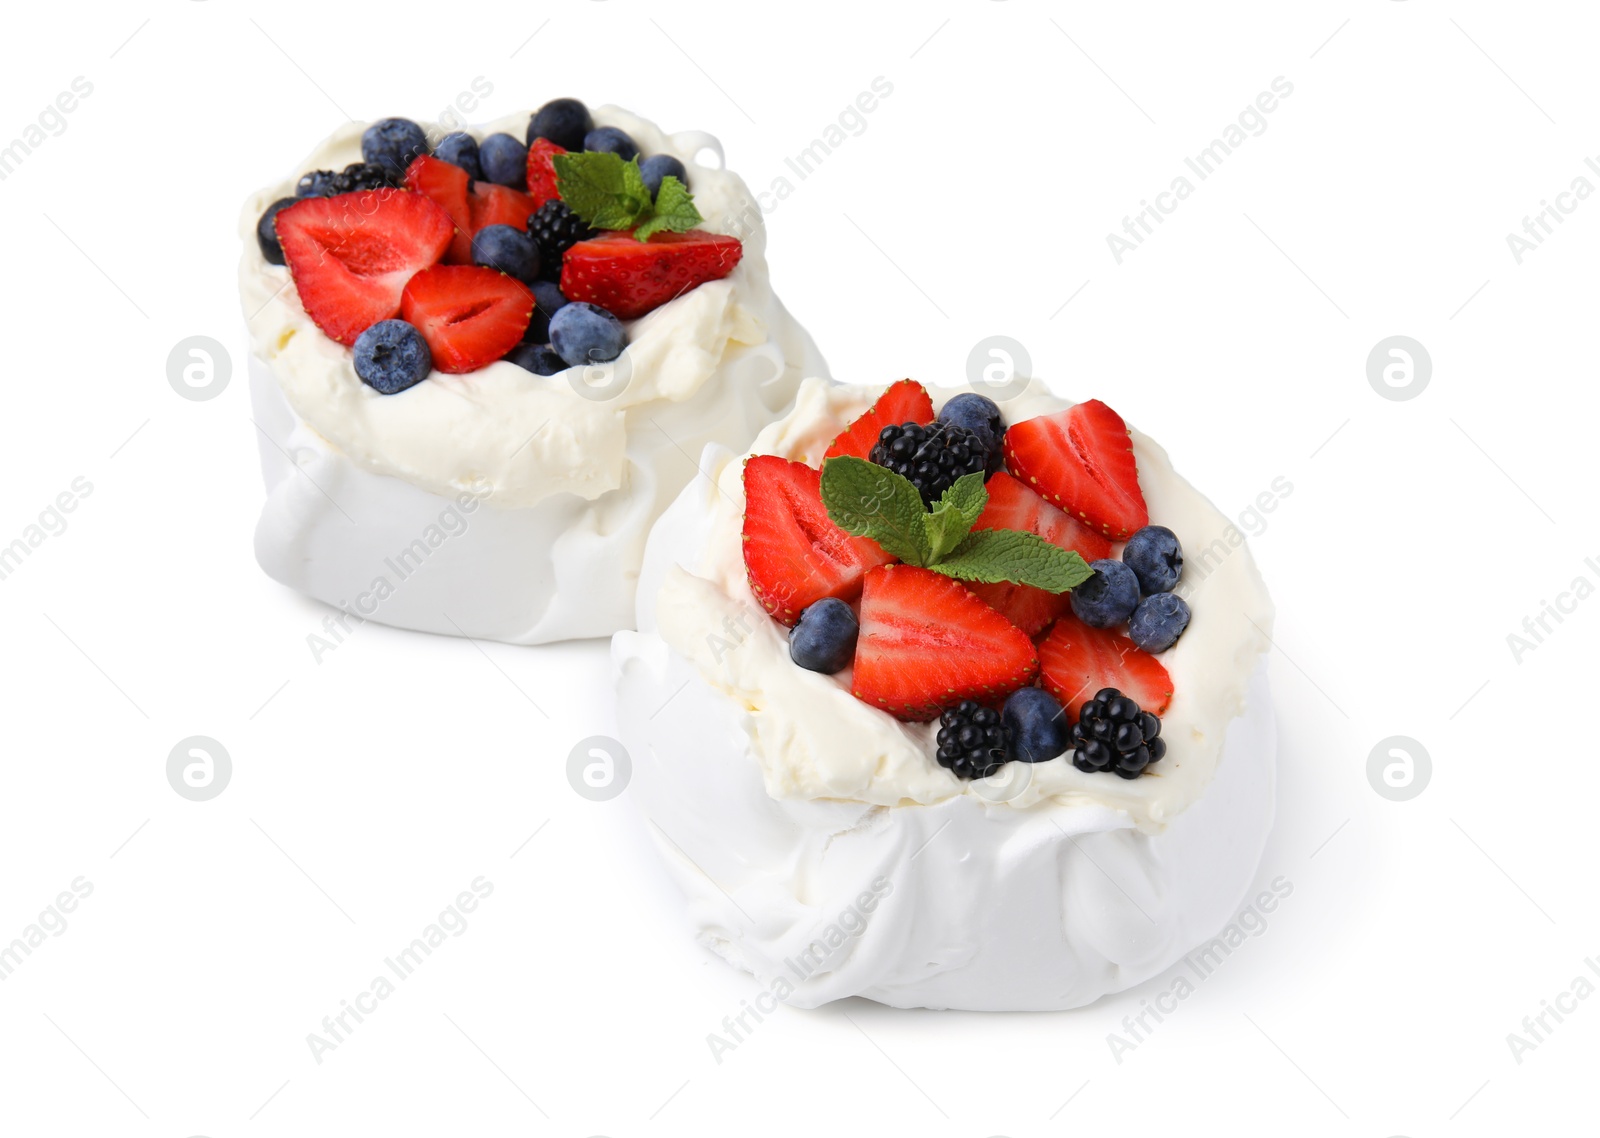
x=950, y=703
x=483, y=362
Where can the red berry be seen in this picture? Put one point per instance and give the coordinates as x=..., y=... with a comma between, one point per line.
x=903, y=402
x=470, y=315
x=490, y=204
x=1076, y=661
x=628, y=277
x=794, y=553
x=448, y=187
x=1012, y=505
x=1082, y=460
x=351, y=255
x=541, y=172
x=927, y=643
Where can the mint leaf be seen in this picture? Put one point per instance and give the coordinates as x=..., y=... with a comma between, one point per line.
x=967, y=495
x=1013, y=555
x=953, y=514
x=601, y=188
x=674, y=210
x=869, y=500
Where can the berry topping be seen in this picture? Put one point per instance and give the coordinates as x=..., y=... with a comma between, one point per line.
x=491, y=204
x=352, y=255
x=927, y=643
x=582, y=334
x=392, y=356
x=392, y=145
x=795, y=555
x=1156, y=559
x=564, y=122
x=1082, y=460
x=352, y=179
x=825, y=639
x=1036, y=724
x=980, y=415
x=557, y=229
x=547, y=301
x=267, y=232
x=448, y=186
x=1075, y=660
x=470, y=316
x=972, y=740
x=931, y=457
x=1158, y=621
x=630, y=277
x=1012, y=505
x=610, y=140
x=541, y=172
x=541, y=359
x=505, y=161
x=1107, y=598
x=1113, y=734
x=509, y=250
x=460, y=149
x=659, y=166
x=905, y=401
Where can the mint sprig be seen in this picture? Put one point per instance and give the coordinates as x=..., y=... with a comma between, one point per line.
x=608, y=193
x=869, y=500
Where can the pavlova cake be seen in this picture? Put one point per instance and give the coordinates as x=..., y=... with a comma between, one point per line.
x=926, y=707
x=482, y=363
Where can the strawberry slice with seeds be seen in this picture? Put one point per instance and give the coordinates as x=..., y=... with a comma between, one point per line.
x=490, y=204
x=541, y=172
x=927, y=643
x=448, y=186
x=628, y=277
x=1076, y=661
x=1012, y=505
x=1081, y=459
x=470, y=315
x=795, y=555
x=351, y=255
x=903, y=402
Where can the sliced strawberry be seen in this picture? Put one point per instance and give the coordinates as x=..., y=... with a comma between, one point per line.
x=1076, y=661
x=1012, y=505
x=490, y=204
x=903, y=402
x=629, y=277
x=541, y=173
x=793, y=552
x=470, y=315
x=351, y=255
x=1082, y=460
x=447, y=186
x=927, y=643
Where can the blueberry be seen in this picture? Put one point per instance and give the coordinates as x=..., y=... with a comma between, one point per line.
x=392, y=356
x=825, y=638
x=392, y=144
x=317, y=184
x=1155, y=557
x=505, y=161
x=547, y=300
x=1158, y=621
x=980, y=415
x=564, y=122
x=1037, y=725
x=585, y=334
x=460, y=149
x=540, y=359
x=267, y=231
x=507, y=248
x=611, y=140
x=1108, y=597
x=658, y=166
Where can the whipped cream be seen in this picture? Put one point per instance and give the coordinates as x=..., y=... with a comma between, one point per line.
x=813, y=740
x=503, y=434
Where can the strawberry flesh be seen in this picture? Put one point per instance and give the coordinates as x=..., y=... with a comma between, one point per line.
x=470, y=315
x=1076, y=661
x=1081, y=459
x=628, y=277
x=906, y=401
x=541, y=172
x=448, y=187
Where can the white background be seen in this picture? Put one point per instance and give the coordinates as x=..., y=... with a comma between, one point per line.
x=369, y=790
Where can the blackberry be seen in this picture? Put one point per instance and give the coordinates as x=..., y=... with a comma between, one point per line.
x=932, y=457
x=972, y=740
x=556, y=229
x=1113, y=735
x=353, y=178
